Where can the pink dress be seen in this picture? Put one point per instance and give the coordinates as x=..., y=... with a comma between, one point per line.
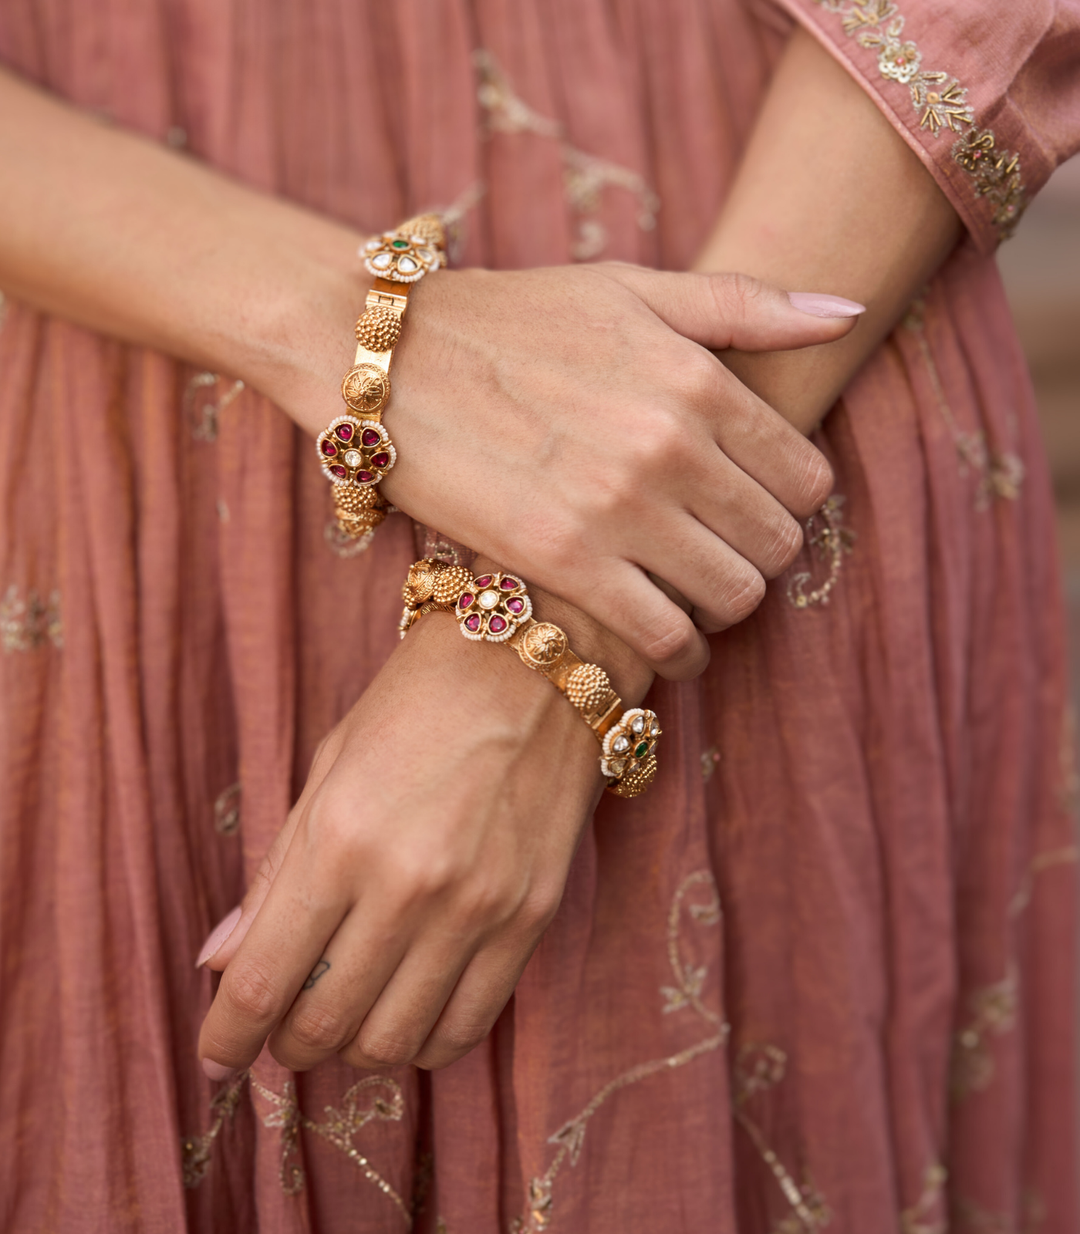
x=822, y=975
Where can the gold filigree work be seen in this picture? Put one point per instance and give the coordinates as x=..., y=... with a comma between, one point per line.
x=584, y=175
x=569, y=1139
x=825, y=537
x=999, y=475
x=196, y=1150
x=940, y=101
x=28, y=624
x=386, y=1104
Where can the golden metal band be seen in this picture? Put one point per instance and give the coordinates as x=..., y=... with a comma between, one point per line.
x=355, y=450
x=496, y=608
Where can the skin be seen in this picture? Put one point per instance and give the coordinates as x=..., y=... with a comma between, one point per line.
x=425, y=902
x=266, y=291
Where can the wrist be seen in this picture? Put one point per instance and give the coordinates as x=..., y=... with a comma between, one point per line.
x=297, y=342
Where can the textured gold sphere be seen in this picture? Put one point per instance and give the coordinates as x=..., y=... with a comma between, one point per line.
x=589, y=688
x=356, y=525
x=351, y=499
x=378, y=328
x=450, y=582
x=420, y=583
x=635, y=782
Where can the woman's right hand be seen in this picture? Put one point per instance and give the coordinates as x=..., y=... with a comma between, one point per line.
x=570, y=423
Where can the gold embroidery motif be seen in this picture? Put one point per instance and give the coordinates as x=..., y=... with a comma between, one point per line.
x=195, y=1150
x=758, y=1068
x=917, y=1219
x=686, y=993
x=1042, y=861
x=227, y=811
x=584, y=175
x=338, y=1129
x=993, y=1011
x=710, y=760
x=1000, y=475
x=941, y=103
x=202, y=414
x=829, y=540
x=28, y=624
x=968, y=1215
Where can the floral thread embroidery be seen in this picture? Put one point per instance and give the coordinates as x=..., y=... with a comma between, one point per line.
x=584, y=175
x=339, y=1127
x=685, y=993
x=758, y=1068
x=917, y=1219
x=28, y=624
x=195, y=1150
x=227, y=811
x=1000, y=475
x=941, y=103
x=829, y=540
x=202, y=414
x=993, y=1011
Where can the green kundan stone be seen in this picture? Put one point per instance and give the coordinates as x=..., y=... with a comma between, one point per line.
x=641, y=749
x=400, y=244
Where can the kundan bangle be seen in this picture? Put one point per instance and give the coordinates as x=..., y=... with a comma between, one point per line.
x=496, y=608
x=355, y=450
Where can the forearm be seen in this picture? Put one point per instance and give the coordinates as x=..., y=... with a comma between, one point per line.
x=828, y=196
x=117, y=233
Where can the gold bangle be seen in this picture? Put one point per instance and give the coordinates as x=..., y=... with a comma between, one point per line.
x=355, y=450
x=496, y=608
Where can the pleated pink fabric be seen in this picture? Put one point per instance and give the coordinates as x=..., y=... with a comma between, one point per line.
x=822, y=975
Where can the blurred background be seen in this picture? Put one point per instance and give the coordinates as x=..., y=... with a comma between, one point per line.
x=1041, y=268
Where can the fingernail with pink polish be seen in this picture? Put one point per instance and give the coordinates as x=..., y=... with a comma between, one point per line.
x=818, y=304
x=218, y=935
x=217, y=1071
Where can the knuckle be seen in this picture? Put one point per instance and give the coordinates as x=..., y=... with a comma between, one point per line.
x=671, y=642
x=737, y=294
x=538, y=908
x=815, y=483
x=696, y=378
x=785, y=541
x=252, y=992
x=318, y=1030
x=744, y=597
x=385, y=1049
x=453, y=1040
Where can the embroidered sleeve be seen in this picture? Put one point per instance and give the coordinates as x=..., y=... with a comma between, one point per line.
x=987, y=92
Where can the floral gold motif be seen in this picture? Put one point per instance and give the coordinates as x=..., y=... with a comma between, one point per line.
x=542, y=645
x=365, y=388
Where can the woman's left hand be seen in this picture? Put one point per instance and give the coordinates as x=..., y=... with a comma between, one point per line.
x=399, y=905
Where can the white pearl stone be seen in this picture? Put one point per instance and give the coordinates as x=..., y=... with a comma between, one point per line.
x=381, y=260
x=407, y=266
x=353, y=458
x=620, y=745
x=488, y=599
x=638, y=725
